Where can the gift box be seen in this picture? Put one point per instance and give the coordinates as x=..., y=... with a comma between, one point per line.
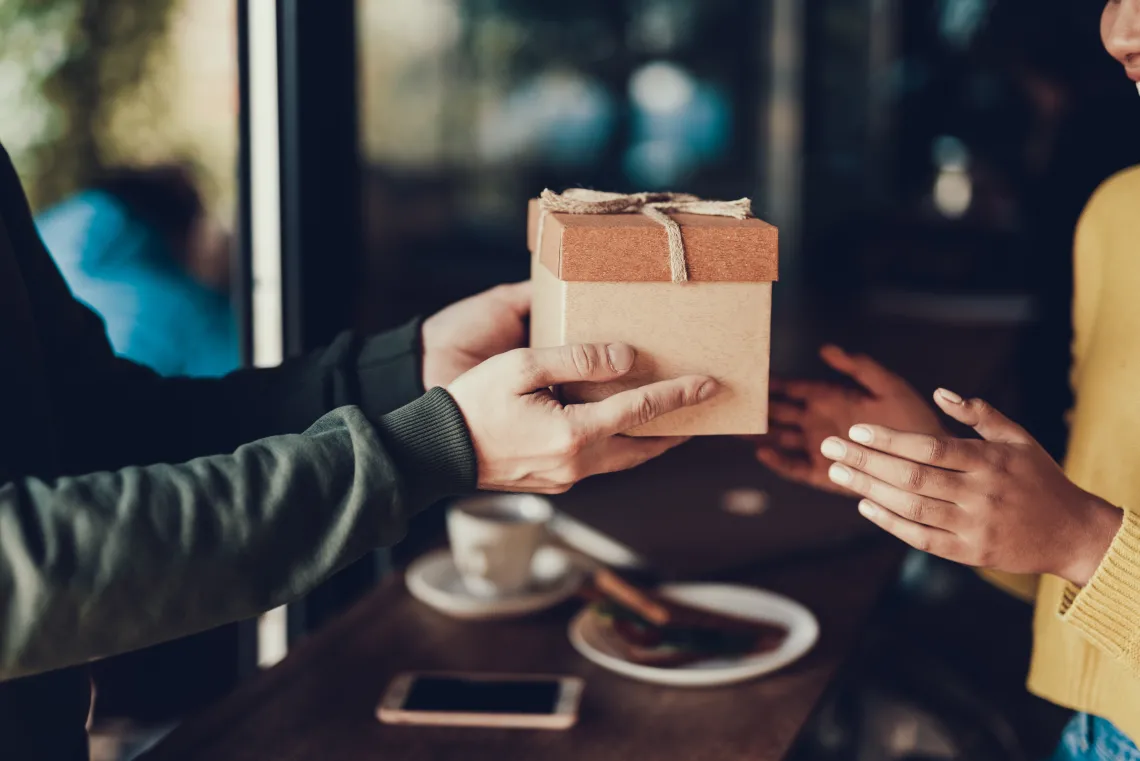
x=686, y=282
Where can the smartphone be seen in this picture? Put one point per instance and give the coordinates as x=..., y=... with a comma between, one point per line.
x=482, y=700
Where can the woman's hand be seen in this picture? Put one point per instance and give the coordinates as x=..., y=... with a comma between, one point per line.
x=999, y=503
x=811, y=411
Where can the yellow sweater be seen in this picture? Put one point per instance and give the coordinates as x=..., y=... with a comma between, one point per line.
x=1086, y=652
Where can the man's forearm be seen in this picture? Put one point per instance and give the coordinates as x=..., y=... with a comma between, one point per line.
x=114, y=413
x=109, y=562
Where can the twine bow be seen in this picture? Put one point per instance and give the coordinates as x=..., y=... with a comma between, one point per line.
x=656, y=206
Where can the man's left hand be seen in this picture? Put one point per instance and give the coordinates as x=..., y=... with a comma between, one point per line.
x=472, y=331
x=999, y=503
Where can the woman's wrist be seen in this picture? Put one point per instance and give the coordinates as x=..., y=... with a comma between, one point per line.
x=1098, y=526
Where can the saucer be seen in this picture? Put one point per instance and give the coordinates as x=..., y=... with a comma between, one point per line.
x=435, y=581
x=588, y=638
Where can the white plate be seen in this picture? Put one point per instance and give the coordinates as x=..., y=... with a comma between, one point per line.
x=434, y=580
x=745, y=602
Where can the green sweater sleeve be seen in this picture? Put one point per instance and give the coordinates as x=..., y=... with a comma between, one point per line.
x=99, y=564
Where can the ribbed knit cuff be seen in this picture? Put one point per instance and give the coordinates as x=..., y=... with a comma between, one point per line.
x=1107, y=610
x=390, y=369
x=430, y=444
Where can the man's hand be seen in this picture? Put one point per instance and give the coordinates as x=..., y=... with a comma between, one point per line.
x=999, y=503
x=810, y=411
x=527, y=441
x=473, y=330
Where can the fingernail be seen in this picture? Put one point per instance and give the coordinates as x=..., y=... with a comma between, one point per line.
x=833, y=448
x=949, y=396
x=621, y=357
x=839, y=474
x=862, y=434
x=866, y=509
x=708, y=390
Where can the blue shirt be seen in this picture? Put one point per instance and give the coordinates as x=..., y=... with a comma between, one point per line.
x=155, y=313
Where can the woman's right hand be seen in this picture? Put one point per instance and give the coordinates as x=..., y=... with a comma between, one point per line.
x=805, y=413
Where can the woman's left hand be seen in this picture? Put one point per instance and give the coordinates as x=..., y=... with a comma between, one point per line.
x=1000, y=503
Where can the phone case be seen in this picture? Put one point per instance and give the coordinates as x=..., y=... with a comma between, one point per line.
x=565, y=716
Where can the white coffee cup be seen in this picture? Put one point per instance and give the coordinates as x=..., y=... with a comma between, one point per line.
x=494, y=538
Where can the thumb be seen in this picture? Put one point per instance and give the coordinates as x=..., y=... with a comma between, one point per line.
x=638, y=406
x=595, y=363
x=990, y=424
x=865, y=371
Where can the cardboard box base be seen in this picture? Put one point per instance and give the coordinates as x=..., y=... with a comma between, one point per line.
x=711, y=328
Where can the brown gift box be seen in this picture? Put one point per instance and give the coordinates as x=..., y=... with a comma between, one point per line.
x=609, y=278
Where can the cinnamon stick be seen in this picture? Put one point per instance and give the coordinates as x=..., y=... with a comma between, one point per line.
x=638, y=601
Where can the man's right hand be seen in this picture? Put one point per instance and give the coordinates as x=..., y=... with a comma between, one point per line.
x=527, y=441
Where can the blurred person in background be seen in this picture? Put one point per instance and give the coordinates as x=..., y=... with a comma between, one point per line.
x=139, y=248
x=1068, y=539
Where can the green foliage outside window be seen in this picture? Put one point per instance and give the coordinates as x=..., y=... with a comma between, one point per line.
x=65, y=65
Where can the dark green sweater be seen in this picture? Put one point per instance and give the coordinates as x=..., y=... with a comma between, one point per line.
x=136, y=509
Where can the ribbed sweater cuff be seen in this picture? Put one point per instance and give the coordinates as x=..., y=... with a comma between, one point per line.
x=430, y=444
x=1107, y=610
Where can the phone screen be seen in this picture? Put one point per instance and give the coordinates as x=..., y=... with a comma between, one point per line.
x=452, y=695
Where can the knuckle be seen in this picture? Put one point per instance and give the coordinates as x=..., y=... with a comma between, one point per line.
x=914, y=477
x=1000, y=459
x=922, y=543
x=936, y=449
x=523, y=363
x=857, y=457
x=577, y=442
x=646, y=408
x=917, y=509
x=690, y=394
x=585, y=358
x=982, y=550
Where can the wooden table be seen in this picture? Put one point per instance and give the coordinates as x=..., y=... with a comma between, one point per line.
x=319, y=703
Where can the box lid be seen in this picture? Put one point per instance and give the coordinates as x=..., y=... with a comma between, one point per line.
x=633, y=247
